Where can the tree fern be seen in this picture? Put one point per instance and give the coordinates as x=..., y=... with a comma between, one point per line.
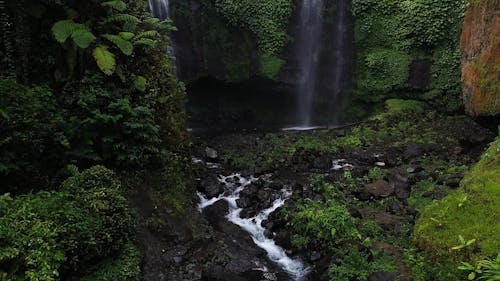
x=115, y=4
x=64, y=29
x=125, y=46
x=105, y=60
x=83, y=38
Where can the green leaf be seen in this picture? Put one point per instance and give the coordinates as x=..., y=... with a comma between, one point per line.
x=105, y=60
x=146, y=42
x=116, y=4
x=126, y=18
x=64, y=29
x=140, y=83
x=126, y=35
x=148, y=33
x=125, y=46
x=83, y=38
x=471, y=276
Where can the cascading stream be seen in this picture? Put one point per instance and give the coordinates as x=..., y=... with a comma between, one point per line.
x=294, y=267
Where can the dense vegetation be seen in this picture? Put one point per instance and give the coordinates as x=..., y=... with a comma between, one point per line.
x=408, y=49
x=87, y=83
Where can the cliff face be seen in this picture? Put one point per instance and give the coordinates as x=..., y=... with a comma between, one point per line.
x=480, y=45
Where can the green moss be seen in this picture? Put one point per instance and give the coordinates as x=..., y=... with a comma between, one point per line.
x=469, y=212
x=270, y=66
x=398, y=106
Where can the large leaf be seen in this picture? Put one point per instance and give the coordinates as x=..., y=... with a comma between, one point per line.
x=146, y=42
x=126, y=35
x=125, y=46
x=83, y=38
x=140, y=83
x=105, y=60
x=115, y=4
x=64, y=29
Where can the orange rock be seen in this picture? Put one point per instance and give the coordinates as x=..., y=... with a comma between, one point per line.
x=480, y=44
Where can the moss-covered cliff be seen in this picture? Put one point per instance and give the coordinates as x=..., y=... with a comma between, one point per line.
x=480, y=45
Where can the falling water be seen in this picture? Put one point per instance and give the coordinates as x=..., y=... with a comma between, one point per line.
x=309, y=43
x=341, y=57
x=160, y=8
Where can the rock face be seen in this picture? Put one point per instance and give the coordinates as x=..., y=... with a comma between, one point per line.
x=480, y=44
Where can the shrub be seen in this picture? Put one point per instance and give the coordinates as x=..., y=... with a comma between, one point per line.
x=329, y=222
x=48, y=234
x=356, y=265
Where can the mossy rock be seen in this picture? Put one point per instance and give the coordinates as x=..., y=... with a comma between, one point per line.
x=470, y=212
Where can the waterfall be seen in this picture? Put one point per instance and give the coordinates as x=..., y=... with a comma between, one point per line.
x=159, y=8
x=308, y=51
x=324, y=51
x=342, y=57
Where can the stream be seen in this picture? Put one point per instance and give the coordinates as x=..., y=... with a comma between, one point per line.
x=234, y=184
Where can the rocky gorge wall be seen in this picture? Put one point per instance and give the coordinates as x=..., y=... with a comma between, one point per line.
x=480, y=44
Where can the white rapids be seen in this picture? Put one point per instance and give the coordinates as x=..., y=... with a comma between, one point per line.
x=253, y=226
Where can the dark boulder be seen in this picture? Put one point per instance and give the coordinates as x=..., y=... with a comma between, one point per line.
x=382, y=276
x=379, y=189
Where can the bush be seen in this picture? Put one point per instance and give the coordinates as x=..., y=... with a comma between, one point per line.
x=48, y=234
x=31, y=139
x=356, y=265
x=330, y=223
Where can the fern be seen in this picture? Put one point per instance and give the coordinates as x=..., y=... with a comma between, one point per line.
x=140, y=83
x=64, y=29
x=105, y=60
x=115, y=4
x=146, y=42
x=125, y=46
x=149, y=34
x=152, y=20
x=83, y=38
x=125, y=18
x=126, y=35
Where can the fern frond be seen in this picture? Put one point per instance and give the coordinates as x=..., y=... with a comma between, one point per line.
x=148, y=33
x=146, y=42
x=105, y=60
x=115, y=4
x=126, y=35
x=125, y=18
x=64, y=28
x=83, y=38
x=125, y=46
x=152, y=20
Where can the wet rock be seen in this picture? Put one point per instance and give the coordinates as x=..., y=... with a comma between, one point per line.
x=315, y=255
x=382, y=276
x=401, y=185
x=211, y=153
x=244, y=202
x=215, y=214
x=413, y=150
x=414, y=169
x=355, y=212
x=211, y=188
x=380, y=189
x=394, y=208
x=264, y=195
